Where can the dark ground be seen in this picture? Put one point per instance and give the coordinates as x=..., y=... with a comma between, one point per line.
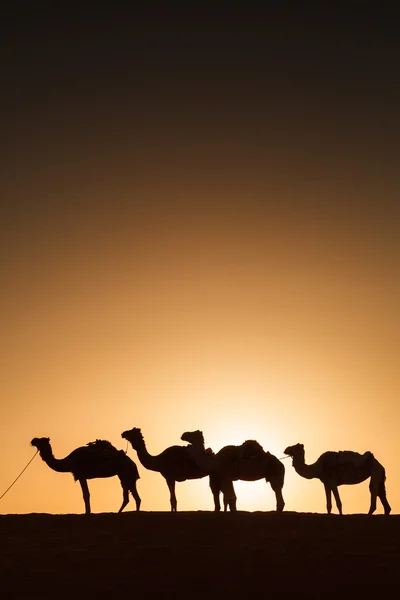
x=199, y=555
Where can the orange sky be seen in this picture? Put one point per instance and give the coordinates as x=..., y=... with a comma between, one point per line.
x=198, y=276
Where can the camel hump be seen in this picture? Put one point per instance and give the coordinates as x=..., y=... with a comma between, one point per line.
x=251, y=449
x=100, y=445
x=354, y=458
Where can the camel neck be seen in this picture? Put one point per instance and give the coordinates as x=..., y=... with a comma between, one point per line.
x=147, y=460
x=206, y=461
x=306, y=471
x=61, y=465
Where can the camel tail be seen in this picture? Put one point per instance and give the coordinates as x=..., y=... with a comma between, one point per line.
x=372, y=460
x=135, y=472
x=375, y=462
x=130, y=468
x=379, y=468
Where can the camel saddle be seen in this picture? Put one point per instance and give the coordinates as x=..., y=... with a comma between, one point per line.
x=354, y=458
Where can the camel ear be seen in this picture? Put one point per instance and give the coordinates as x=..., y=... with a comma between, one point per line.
x=48, y=439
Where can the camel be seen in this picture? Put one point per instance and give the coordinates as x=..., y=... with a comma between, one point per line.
x=248, y=462
x=96, y=459
x=174, y=463
x=342, y=468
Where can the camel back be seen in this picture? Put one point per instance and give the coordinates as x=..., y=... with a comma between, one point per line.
x=354, y=458
x=251, y=449
x=102, y=445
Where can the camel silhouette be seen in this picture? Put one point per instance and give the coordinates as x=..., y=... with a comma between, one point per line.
x=95, y=460
x=342, y=468
x=248, y=462
x=174, y=463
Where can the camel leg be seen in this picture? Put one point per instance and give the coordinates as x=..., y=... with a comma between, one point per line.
x=328, y=498
x=232, y=504
x=377, y=488
x=386, y=506
x=226, y=503
x=229, y=495
x=125, y=499
x=373, y=488
x=215, y=489
x=136, y=496
x=171, y=487
x=372, y=507
x=86, y=495
x=382, y=496
x=337, y=499
x=277, y=487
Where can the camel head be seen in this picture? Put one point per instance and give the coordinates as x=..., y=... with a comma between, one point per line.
x=193, y=437
x=134, y=436
x=41, y=443
x=296, y=451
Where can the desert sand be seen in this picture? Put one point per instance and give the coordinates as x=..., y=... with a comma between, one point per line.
x=199, y=555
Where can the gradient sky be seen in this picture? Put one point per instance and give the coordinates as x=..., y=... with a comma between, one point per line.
x=200, y=230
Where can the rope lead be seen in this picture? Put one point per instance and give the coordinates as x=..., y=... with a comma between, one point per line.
x=16, y=479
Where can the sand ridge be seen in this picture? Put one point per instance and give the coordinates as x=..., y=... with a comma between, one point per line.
x=199, y=555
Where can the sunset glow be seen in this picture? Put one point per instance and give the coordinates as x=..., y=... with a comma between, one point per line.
x=201, y=232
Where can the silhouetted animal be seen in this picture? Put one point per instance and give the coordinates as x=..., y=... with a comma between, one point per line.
x=174, y=463
x=342, y=468
x=95, y=460
x=248, y=462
